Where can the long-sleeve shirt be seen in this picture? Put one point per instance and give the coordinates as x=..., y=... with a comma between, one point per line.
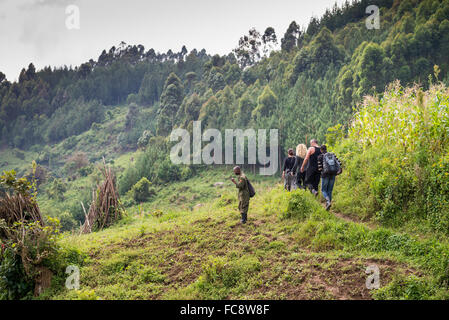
x=320, y=163
x=242, y=185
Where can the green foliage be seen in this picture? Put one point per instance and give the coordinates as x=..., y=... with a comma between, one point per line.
x=56, y=190
x=171, y=100
x=311, y=84
x=298, y=204
x=27, y=246
x=334, y=135
x=14, y=282
x=67, y=221
x=168, y=172
x=266, y=104
x=396, y=158
x=221, y=276
x=301, y=204
x=83, y=295
x=9, y=182
x=405, y=288
x=142, y=190
x=144, y=139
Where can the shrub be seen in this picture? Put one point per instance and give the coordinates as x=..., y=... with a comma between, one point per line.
x=396, y=159
x=57, y=189
x=168, y=172
x=67, y=221
x=301, y=204
x=14, y=282
x=85, y=171
x=142, y=190
x=405, y=288
x=144, y=139
x=28, y=247
x=76, y=162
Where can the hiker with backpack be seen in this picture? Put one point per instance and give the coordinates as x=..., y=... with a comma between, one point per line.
x=330, y=167
x=311, y=162
x=301, y=151
x=246, y=191
x=287, y=171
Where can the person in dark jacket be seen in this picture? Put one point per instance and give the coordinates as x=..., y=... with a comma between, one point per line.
x=311, y=161
x=287, y=170
x=301, y=151
x=327, y=179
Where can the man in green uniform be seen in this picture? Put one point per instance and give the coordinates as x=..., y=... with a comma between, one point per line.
x=242, y=185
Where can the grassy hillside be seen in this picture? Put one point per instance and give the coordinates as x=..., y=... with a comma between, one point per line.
x=186, y=242
x=290, y=249
x=181, y=237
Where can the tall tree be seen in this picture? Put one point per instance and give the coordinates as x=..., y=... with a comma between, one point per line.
x=171, y=100
x=290, y=37
x=248, y=50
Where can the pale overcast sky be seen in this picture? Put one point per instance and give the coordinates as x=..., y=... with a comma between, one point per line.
x=35, y=30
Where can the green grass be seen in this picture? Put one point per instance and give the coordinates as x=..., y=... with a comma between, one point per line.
x=205, y=253
x=15, y=159
x=186, y=241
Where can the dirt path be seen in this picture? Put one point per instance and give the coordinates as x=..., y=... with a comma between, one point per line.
x=347, y=218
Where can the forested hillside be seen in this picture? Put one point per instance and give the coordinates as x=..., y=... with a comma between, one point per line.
x=376, y=97
x=321, y=72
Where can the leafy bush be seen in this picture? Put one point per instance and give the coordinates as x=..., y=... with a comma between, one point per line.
x=142, y=190
x=67, y=221
x=168, y=172
x=57, y=189
x=396, y=159
x=14, y=282
x=29, y=245
x=298, y=204
x=405, y=288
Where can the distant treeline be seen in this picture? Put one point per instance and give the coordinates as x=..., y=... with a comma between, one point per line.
x=312, y=83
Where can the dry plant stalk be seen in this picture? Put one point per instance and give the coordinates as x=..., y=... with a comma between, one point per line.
x=105, y=208
x=18, y=208
x=15, y=210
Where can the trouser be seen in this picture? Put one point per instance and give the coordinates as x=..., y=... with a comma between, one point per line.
x=243, y=208
x=300, y=180
x=327, y=185
x=288, y=181
x=313, y=179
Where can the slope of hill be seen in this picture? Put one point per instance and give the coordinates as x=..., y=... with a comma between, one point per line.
x=291, y=249
x=181, y=238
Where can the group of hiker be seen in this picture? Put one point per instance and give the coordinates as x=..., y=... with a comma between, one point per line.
x=303, y=169
x=307, y=167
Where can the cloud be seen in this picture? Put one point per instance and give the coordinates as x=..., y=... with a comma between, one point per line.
x=36, y=4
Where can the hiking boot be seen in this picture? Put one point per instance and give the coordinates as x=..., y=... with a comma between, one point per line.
x=328, y=205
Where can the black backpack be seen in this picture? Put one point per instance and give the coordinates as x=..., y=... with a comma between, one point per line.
x=251, y=190
x=330, y=164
